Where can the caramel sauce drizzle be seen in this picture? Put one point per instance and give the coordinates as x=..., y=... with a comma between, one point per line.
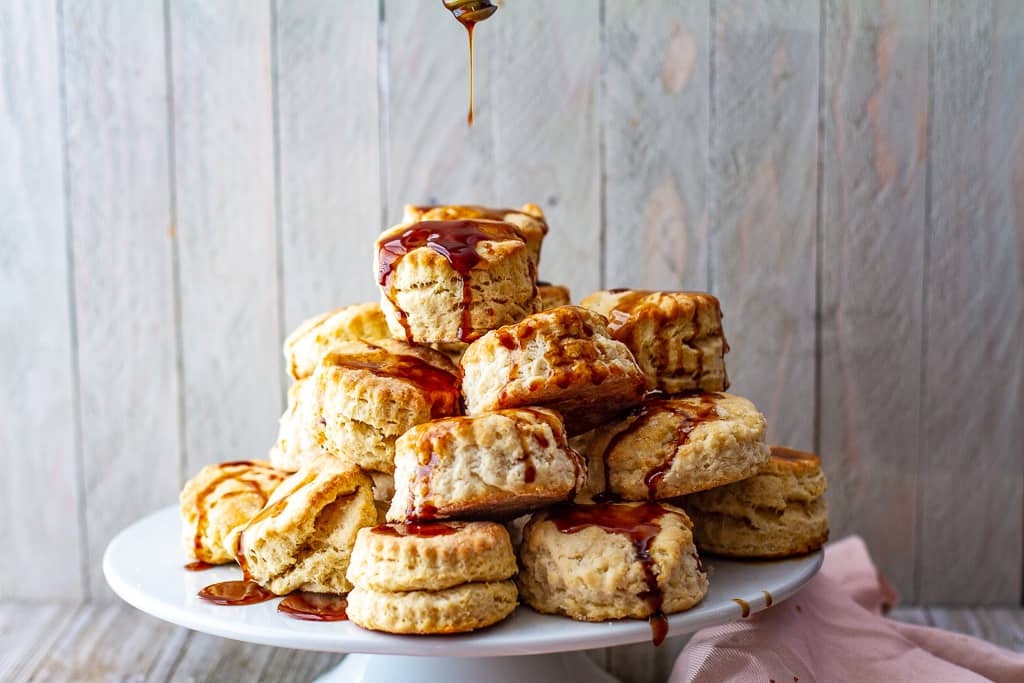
x=456, y=241
x=621, y=321
x=691, y=416
x=236, y=470
x=639, y=524
x=441, y=385
x=469, y=13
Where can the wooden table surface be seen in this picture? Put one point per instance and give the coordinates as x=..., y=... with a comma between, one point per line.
x=114, y=642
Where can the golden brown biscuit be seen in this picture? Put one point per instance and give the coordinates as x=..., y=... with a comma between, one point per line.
x=492, y=465
x=779, y=511
x=553, y=296
x=298, y=439
x=431, y=556
x=610, y=561
x=462, y=608
x=676, y=337
x=311, y=340
x=219, y=501
x=302, y=539
x=672, y=447
x=448, y=281
x=528, y=219
x=561, y=359
x=370, y=394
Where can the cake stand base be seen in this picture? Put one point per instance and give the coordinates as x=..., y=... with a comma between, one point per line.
x=563, y=667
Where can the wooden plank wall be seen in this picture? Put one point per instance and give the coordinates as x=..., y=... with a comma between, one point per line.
x=186, y=181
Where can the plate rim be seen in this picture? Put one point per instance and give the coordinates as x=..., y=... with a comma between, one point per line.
x=475, y=644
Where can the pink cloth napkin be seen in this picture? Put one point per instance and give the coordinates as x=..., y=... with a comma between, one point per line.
x=833, y=630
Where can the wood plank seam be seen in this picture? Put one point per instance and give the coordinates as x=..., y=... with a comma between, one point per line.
x=712, y=190
x=76, y=382
x=275, y=91
x=925, y=263
x=383, y=107
x=819, y=229
x=600, y=100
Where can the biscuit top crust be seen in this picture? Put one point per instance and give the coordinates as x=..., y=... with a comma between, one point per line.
x=434, y=212
x=429, y=371
x=624, y=308
x=456, y=240
x=314, y=337
x=786, y=459
x=463, y=244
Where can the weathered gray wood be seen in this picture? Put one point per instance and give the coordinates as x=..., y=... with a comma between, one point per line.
x=430, y=155
x=875, y=151
x=112, y=642
x=911, y=615
x=973, y=391
x=26, y=630
x=120, y=220
x=764, y=159
x=656, y=145
x=328, y=153
x=224, y=190
x=299, y=666
x=1002, y=626
x=545, y=121
x=39, y=491
x=209, y=658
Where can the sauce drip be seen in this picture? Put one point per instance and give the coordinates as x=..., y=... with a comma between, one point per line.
x=690, y=415
x=744, y=607
x=456, y=241
x=638, y=523
x=767, y=599
x=469, y=13
x=314, y=606
x=236, y=593
x=198, y=566
x=441, y=385
x=420, y=529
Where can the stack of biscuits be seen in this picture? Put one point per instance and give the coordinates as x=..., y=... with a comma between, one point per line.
x=474, y=440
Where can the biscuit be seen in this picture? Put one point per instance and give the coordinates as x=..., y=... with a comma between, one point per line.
x=676, y=337
x=302, y=539
x=528, y=220
x=553, y=296
x=779, y=511
x=311, y=340
x=219, y=501
x=493, y=465
x=370, y=394
x=434, y=556
x=465, y=607
x=298, y=439
x=561, y=359
x=448, y=281
x=610, y=561
x=673, y=447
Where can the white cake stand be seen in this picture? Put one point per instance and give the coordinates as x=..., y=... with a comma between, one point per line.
x=144, y=565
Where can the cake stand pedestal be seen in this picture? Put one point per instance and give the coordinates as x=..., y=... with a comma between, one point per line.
x=144, y=565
